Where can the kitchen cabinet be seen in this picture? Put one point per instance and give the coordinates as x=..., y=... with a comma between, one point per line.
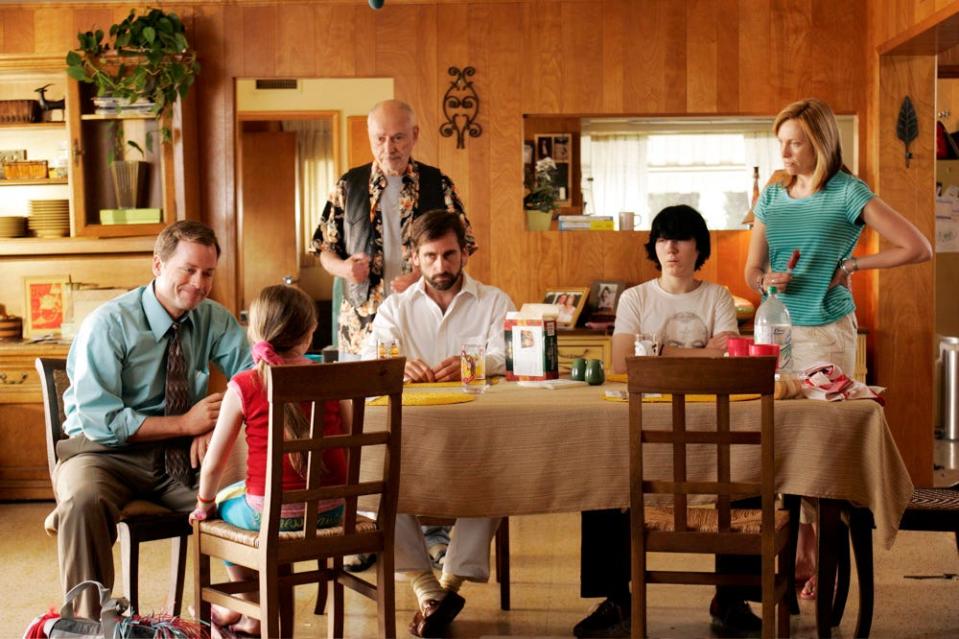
x=23, y=449
x=45, y=141
x=586, y=344
x=83, y=141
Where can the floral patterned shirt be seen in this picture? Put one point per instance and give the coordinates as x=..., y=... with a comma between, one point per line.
x=355, y=320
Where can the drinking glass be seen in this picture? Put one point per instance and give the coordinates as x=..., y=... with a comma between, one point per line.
x=644, y=345
x=473, y=368
x=387, y=347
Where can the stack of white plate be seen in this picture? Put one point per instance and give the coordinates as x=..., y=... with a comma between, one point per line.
x=14, y=226
x=50, y=218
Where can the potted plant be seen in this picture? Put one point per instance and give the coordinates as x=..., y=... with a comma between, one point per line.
x=144, y=64
x=541, y=195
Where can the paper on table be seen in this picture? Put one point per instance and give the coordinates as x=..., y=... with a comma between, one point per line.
x=553, y=384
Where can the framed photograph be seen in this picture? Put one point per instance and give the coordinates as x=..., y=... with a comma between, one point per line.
x=571, y=300
x=544, y=146
x=43, y=304
x=527, y=152
x=604, y=297
x=561, y=150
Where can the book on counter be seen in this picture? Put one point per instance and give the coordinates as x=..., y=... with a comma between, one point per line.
x=586, y=223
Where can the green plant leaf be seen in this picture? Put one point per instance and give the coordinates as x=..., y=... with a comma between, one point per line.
x=78, y=74
x=74, y=59
x=149, y=34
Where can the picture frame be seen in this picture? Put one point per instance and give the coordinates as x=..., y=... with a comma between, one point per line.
x=44, y=300
x=571, y=301
x=604, y=297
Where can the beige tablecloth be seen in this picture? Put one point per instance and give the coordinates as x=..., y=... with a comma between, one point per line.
x=519, y=451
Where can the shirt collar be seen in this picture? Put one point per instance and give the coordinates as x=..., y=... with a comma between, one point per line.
x=469, y=286
x=157, y=316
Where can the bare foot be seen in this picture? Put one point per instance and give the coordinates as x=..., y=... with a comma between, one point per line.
x=247, y=626
x=224, y=616
x=808, y=591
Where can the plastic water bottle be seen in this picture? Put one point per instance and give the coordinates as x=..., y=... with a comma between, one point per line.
x=774, y=326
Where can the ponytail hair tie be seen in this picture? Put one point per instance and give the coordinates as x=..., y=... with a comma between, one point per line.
x=263, y=351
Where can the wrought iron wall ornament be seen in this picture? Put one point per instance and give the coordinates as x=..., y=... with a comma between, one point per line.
x=907, y=126
x=461, y=107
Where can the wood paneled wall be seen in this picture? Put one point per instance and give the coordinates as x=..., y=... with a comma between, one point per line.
x=544, y=57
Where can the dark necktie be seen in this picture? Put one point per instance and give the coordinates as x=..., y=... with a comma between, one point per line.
x=177, y=453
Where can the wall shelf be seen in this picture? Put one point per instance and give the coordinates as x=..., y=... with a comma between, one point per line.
x=32, y=125
x=26, y=246
x=34, y=182
x=118, y=116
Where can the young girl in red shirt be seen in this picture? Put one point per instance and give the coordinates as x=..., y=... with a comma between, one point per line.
x=282, y=321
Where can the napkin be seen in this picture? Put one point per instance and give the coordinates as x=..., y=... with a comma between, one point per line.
x=826, y=381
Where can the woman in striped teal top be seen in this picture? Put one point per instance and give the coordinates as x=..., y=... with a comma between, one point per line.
x=819, y=208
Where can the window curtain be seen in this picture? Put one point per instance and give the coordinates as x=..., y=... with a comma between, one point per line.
x=315, y=176
x=762, y=150
x=614, y=173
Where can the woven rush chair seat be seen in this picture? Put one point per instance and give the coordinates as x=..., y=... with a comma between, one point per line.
x=221, y=529
x=706, y=520
x=937, y=499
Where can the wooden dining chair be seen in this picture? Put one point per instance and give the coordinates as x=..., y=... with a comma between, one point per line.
x=720, y=530
x=140, y=521
x=929, y=509
x=273, y=553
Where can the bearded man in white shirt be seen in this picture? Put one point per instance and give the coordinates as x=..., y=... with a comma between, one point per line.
x=433, y=318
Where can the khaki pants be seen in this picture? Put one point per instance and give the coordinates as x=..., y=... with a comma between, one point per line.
x=468, y=554
x=834, y=343
x=92, y=484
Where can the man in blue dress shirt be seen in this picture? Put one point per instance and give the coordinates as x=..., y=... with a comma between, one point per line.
x=117, y=408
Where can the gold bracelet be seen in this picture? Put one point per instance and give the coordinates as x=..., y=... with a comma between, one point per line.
x=855, y=266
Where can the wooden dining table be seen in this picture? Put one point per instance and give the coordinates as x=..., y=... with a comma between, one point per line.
x=520, y=451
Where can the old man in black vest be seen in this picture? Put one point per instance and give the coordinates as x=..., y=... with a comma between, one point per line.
x=362, y=235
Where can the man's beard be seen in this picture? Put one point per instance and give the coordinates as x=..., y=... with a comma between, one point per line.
x=445, y=281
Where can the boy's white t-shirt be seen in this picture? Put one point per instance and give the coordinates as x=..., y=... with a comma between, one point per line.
x=686, y=319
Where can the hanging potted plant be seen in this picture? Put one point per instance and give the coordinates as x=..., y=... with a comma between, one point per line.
x=143, y=65
x=540, y=198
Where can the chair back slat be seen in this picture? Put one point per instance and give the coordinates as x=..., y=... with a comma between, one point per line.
x=702, y=375
x=342, y=384
x=53, y=383
x=312, y=385
x=722, y=462
x=679, y=460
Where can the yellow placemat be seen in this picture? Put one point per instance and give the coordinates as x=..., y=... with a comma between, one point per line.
x=623, y=396
x=427, y=399
x=616, y=377
x=489, y=382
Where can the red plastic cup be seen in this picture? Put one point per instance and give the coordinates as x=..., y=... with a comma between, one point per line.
x=764, y=350
x=738, y=346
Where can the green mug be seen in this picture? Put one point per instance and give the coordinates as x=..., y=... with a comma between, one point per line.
x=594, y=372
x=577, y=370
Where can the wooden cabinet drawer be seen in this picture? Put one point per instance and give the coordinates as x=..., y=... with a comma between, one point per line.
x=19, y=381
x=571, y=347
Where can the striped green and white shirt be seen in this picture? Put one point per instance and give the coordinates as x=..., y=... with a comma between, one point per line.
x=825, y=229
